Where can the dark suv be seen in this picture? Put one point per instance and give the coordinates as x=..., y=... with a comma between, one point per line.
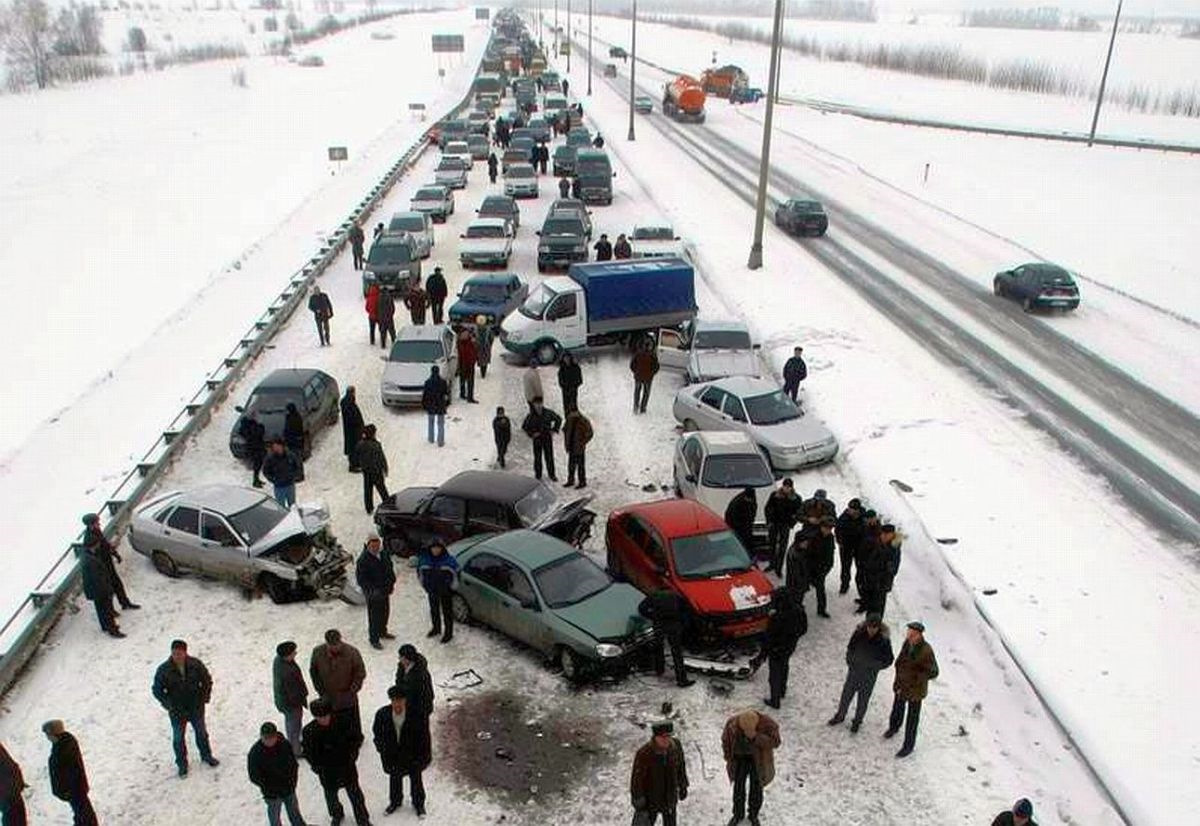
x=801, y=217
x=314, y=393
x=1038, y=286
x=392, y=262
x=563, y=240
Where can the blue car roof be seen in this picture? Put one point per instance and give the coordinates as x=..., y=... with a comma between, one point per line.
x=491, y=278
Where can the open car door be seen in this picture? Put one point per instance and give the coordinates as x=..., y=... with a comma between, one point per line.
x=673, y=350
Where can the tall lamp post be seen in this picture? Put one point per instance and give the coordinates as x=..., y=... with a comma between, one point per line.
x=569, y=49
x=1104, y=77
x=755, y=261
x=632, y=69
x=589, y=48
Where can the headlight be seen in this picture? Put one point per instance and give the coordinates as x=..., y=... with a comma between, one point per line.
x=790, y=450
x=608, y=650
x=512, y=335
x=368, y=275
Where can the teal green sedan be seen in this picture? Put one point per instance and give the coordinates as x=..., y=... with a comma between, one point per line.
x=546, y=594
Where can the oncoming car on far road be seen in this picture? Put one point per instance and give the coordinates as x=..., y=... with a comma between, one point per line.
x=643, y=104
x=800, y=216
x=544, y=593
x=1038, y=286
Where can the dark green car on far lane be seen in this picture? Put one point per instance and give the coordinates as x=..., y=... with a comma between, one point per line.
x=544, y=593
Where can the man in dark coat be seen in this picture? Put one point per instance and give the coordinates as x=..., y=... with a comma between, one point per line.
x=577, y=432
x=332, y=753
x=272, y=767
x=356, y=245
x=293, y=430
x=543, y=158
x=570, y=379
x=412, y=675
x=417, y=301
x=12, y=784
x=794, y=372
x=786, y=625
x=817, y=561
x=255, y=436
x=436, y=289
x=468, y=357
x=739, y=516
x=868, y=652
x=576, y=188
x=352, y=426
x=603, y=248
x=916, y=665
x=502, y=433
x=369, y=457
x=781, y=511
x=377, y=579
x=1021, y=814
x=540, y=425
x=183, y=687
x=813, y=510
x=492, y=163
x=290, y=690
x=849, y=534
x=659, y=778
x=405, y=749
x=385, y=316
x=644, y=366
x=94, y=538
x=337, y=672
x=622, y=250
x=322, y=309
x=437, y=571
x=98, y=588
x=435, y=398
x=68, y=777
x=564, y=187
x=283, y=470
x=889, y=543
x=669, y=612
x=598, y=141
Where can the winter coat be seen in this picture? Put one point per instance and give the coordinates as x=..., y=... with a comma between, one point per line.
x=739, y=516
x=287, y=680
x=915, y=667
x=891, y=561
x=293, y=429
x=604, y=250
x=254, y=434
x=659, y=779
x=416, y=300
x=337, y=678
x=182, y=692
x=502, y=430
x=622, y=250
x=352, y=424
x=368, y=455
x=786, y=625
x=766, y=740
x=68, y=777
x=385, y=307
x=577, y=432
x=644, y=364
x=667, y=610
x=417, y=686
x=872, y=566
x=356, y=237
x=97, y=584
x=320, y=305
x=541, y=424
x=1007, y=819
x=849, y=531
x=404, y=751
x=869, y=655
x=331, y=751
x=816, y=509
x=273, y=769
x=817, y=555
x=564, y=190
x=374, y=574
x=794, y=370
x=435, y=398
x=468, y=354
x=781, y=509
x=435, y=287
x=531, y=381
x=437, y=573
x=491, y=161
x=372, y=302
x=12, y=781
x=570, y=376
x=483, y=342
x=283, y=468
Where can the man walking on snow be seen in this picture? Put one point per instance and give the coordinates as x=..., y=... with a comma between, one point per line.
x=272, y=767
x=332, y=753
x=352, y=426
x=435, y=398
x=183, y=687
x=370, y=459
x=356, y=245
x=436, y=289
x=68, y=777
x=322, y=309
x=659, y=779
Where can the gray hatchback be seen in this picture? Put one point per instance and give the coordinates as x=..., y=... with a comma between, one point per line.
x=314, y=393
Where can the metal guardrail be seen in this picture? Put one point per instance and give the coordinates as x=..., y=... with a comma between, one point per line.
x=41, y=609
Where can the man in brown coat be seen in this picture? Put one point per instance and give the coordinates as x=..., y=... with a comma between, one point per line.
x=338, y=673
x=577, y=432
x=644, y=366
x=659, y=779
x=915, y=667
x=748, y=743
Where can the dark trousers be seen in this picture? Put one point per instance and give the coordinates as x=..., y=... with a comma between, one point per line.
x=379, y=608
x=575, y=462
x=358, y=257
x=909, y=719
x=256, y=460
x=466, y=383
x=570, y=399
x=440, y=614
x=417, y=316
x=675, y=641
x=415, y=784
x=373, y=482
x=745, y=771
x=846, y=556
x=322, y=328
x=348, y=781
x=81, y=808
x=483, y=366
x=501, y=452
x=778, y=666
x=179, y=723
x=435, y=306
x=492, y=174
x=873, y=599
x=543, y=451
x=349, y=717
x=104, y=612
x=777, y=542
x=816, y=581
x=117, y=585
x=858, y=684
x=792, y=389
x=12, y=811
x=387, y=327
x=371, y=325
x=668, y=818
x=641, y=395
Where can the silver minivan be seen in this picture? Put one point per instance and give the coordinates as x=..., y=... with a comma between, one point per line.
x=418, y=225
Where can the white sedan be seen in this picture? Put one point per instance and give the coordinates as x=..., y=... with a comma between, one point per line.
x=760, y=409
x=711, y=467
x=655, y=241
x=486, y=243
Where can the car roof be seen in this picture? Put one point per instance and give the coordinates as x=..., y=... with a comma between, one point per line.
x=745, y=385
x=441, y=189
x=421, y=332
x=706, y=324
x=567, y=204
x=724, y=442
x=1046, y=268
x=508, y=200
x=394, y=240
x=492, y=278
x=225, y=499
x=513, y=166
x=488, y=222
x=678, y=517
x=594, y=154
x=420, y=216
x=490, y=485
x=289, y=378
x=533, y=548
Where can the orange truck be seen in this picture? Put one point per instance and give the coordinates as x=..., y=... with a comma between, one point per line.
x=722, y=81
x=683, y=100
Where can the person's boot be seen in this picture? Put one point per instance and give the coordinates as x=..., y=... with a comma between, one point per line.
x=855, y=725
x=433, y=632
x=772, y=703
x=685, y=682
x=835, y=720
x=905, y=751
x=890, y=733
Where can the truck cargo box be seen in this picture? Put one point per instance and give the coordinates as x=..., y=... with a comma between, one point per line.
x=635, y=295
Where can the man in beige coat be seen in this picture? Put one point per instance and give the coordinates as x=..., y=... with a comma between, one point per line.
x=338, y=673
x=748, y=743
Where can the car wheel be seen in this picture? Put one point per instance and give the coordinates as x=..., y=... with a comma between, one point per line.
x=545, y=353
x=690, y=426
x=997, y=288
x=396, y=545
x=164, y=564
x=572, y=665
x=460, y=609
x=277, y=589
x=1027, y=305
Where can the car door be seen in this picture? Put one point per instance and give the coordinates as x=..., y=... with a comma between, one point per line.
x=222, y=552
x=311, y=407
x=1021, y=282
x=564, y=312
x=641, y=555
x=735, y=413
x=708, y=409
x=673, y=350
x=486, y=517
x=687, y=466
x=445, y=519
x=480, y=586
x=521, y=609
x=181, y=537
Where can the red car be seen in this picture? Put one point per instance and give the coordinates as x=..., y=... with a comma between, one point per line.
x=681, y=545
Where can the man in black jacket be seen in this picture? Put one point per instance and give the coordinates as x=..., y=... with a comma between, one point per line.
x=540, y=426
x=435, y=398
x=739, y=516
x=817, y=561
x=849, y=534
x=1021, y=814
x=68, y=777
x=603, y=248
x=385, y=316
x=412, y=675
x=622, y=250
x=564, y=187
x=322, y=309
x=283, y=470
x=255, y=435
x=868, y=652
x=436, y=289
x=502, y=433
x=668, y=611
x=371, y=460
x=786, y=625
x=183, y=687
x=377, y=579
x=570, y=379
x=272, y=767
x=12, y=784
x=781, y=511
x=332, y=753
x=97, y=587
x=290, y=691
x=356, y=245
x=405, y=749
x=352, y=426
x=95, y=540
x=492, y=163
x=890, y=543
x=794, y=372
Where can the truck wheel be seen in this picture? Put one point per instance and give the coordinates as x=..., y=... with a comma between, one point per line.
x=164, y=564
x=1027, y=305
x=545, y=353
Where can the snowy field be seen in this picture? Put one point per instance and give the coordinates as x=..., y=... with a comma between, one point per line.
x=984, y=741
x=200, y=200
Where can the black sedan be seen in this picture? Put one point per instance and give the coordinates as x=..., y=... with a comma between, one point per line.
x=475, y=502
x=1038, y=286
x=314, y=393
x=801, y=217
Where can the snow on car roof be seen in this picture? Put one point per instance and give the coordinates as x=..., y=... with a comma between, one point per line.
x=532, y=548
x=421, y=332
x=725, y=441
x=745, y=385
x=224, y=499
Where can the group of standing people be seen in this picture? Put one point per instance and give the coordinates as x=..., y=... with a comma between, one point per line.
x=607, y=251
x=541, y=424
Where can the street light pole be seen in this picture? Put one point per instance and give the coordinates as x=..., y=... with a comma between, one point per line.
x=569, y=49
x=1104, y=77
x=589, y=48
x=632, y=69
x=755, y=261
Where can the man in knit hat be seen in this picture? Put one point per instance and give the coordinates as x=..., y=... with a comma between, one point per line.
x=659, y=779
x=1021, y=814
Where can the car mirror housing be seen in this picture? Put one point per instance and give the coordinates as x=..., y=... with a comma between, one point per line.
x=690, y=478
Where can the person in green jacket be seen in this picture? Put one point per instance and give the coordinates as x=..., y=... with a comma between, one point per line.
x=916, y=665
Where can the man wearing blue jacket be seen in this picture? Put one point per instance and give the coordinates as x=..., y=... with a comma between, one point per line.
x=438, y=571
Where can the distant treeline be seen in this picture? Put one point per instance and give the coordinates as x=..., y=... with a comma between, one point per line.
x=1047, y=18
x=853, y=10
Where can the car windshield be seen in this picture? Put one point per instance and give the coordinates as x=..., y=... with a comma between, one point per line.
x=416, y=352
x=257, y=521
x=734, y=471
x=806, y=206
x=493, y=206
x=709, y=554
x=272, y=400
x=413, y=223
x=428, y=195
x=570, y=580
x=485, y=231
x=562, y=226
x=486, y=293
x=534, y=505
x=564, y=153
x=520, y=172
x=722, y=340
x=594, y=169
x=450, y=165
x=654, y=233
x=389, y=254
x=535, y=305
x=771, y=408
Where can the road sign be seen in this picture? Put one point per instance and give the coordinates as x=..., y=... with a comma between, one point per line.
x=338, y=153
x=483, y=13
x=448, y=43
x=564, y=48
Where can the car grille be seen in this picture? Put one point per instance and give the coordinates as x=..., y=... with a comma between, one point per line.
x=743, y=615
x=411, y=388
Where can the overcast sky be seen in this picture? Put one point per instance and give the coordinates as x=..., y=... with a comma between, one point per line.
x=1134, y=8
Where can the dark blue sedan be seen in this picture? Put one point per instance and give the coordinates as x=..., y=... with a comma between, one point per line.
x=1038, y=286
x=493, y=296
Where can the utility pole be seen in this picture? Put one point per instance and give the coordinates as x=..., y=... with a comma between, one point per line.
x=569, y=49
x=755, y=261
x=556, y=26
x=1104, y=77
x=632, y=69
x=589, y=48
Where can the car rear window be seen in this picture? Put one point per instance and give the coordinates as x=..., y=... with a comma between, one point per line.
x=722, y=340
x=734, y=471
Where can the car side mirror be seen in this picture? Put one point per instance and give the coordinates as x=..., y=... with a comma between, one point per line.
x=691, y=478
x=756, y=346
x=539, y=232
x=240, y=409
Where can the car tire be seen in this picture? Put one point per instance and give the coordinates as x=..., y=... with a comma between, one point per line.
x=545, y=353
x=690, y=426
x=997, y=288
x=164, y=564
x=460, y=610
x=277, y=589
x=1027, y=304
x=767, y=455
x=396, y=545
x=572, y=665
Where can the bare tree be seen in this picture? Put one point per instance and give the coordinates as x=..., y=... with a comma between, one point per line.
x=25, y=34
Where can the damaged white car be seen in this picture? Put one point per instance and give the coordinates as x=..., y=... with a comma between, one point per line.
x=243, y=535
